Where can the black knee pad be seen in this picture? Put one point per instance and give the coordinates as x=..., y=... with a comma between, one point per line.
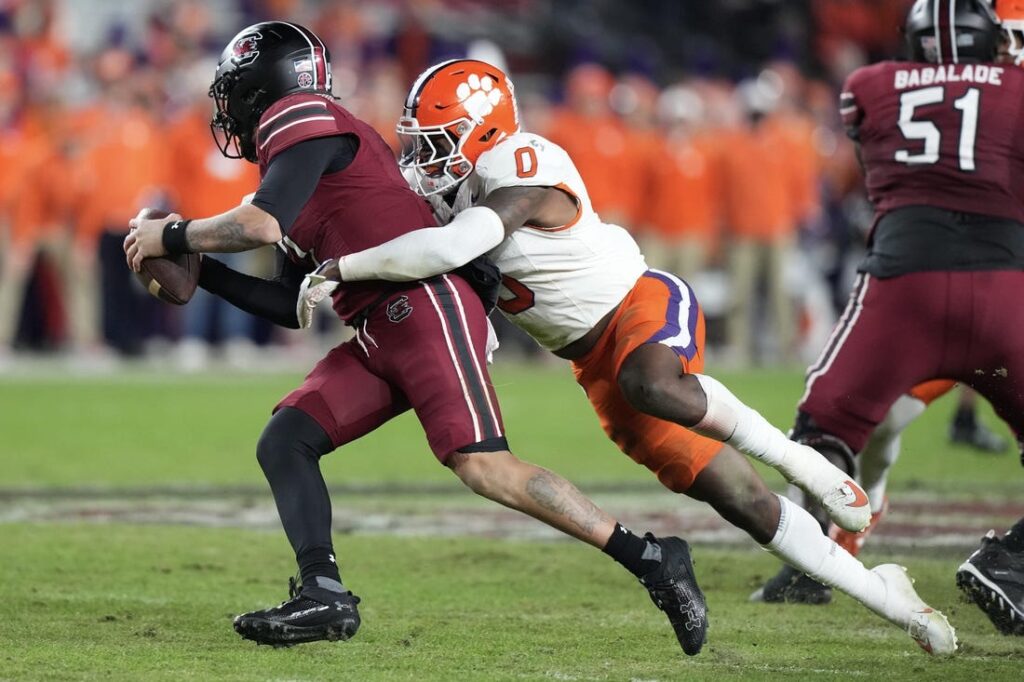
x=291, y=433
x=807, y=432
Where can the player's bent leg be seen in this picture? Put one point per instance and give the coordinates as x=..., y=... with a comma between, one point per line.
x=502, y=477
x=886, y=590
x=652, y=381
x=731, y=486
x=289, y=452
x=662, y=565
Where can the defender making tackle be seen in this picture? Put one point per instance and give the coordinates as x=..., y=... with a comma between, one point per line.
x=635, y=336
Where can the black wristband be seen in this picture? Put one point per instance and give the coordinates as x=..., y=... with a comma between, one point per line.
x=174, y=237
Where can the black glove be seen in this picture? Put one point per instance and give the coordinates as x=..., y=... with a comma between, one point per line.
x=485, y=278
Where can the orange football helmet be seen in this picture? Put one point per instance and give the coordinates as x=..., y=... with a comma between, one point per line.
x=1011, y=18
x=455, y=111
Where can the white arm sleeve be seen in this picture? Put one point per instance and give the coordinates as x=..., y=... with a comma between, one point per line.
x=429, y=251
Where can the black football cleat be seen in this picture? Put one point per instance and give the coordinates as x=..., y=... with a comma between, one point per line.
x=979, y=437
x=311, y=614
x=674, y=590
x=792, y=586
x=993, y=578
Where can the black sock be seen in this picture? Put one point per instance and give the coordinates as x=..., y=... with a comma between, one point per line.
x=289, y=452
x=1014, y=538
x=965, y=419
x=638, y=555
x=318, y=562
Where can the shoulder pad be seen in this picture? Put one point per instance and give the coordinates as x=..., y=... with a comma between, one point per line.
x=522, y=159
x=292, y=120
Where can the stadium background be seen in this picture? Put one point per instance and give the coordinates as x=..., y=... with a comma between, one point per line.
x=710, y=131
x=133, y=516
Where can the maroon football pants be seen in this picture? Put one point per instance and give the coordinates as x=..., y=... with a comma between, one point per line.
x=424, y=348
x=897, y=332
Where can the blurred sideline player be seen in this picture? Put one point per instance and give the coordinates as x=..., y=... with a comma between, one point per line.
x=581, y=288
x=940, y=286
x=329, y=185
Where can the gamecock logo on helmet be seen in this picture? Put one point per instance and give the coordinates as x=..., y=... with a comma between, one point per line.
x=246, y=49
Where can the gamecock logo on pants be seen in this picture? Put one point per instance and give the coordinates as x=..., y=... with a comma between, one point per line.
x=399, y=309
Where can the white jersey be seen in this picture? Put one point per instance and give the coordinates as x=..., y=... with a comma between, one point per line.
x=558, y=282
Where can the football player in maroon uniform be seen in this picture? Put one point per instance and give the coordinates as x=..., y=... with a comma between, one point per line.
x=331, y=186
x=939, y=293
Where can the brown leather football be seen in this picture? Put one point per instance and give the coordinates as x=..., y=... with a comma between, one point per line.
x=170, y=278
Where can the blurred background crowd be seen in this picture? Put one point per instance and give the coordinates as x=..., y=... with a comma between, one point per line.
x=708, y=129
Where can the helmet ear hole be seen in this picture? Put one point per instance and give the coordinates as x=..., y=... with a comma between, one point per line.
x=488, y=135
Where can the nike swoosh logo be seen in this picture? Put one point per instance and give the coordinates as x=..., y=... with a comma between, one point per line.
x=859, y=498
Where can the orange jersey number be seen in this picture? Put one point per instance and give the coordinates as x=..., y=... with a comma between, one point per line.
x=526, y=162
x=522, y=297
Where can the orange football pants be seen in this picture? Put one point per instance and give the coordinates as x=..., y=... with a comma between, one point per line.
x=660, y=308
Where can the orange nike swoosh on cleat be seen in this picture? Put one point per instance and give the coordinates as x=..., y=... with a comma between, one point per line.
x=860, y=499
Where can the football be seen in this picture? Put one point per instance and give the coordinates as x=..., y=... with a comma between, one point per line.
x=169, y=278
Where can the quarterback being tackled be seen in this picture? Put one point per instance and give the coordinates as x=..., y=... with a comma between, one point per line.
x=635, y=336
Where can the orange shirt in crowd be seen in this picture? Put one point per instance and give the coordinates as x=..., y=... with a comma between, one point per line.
x=127, y=168
x=802, y=160
x=757, y=181
x=643, y=150
x=599, y=148
x=684, y=199
x=203, y=182
x=11, y=141
x=36, y=184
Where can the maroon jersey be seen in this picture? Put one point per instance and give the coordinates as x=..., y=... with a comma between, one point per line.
x=941, y=135
x=364, y=205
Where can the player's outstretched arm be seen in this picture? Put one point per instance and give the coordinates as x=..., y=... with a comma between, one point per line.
x=426, y=252
x=242, y=228
x=435, y=250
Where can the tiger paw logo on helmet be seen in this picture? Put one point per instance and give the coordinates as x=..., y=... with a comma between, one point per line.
x=478, y=96
x=455, y=111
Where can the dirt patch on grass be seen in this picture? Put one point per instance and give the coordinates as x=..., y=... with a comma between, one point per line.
x=916, y=521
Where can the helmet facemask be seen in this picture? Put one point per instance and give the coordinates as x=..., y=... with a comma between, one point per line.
x=455, y=111
x=234, y=130
x=433, y=155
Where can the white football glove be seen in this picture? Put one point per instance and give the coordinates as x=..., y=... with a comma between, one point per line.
x=315, y=288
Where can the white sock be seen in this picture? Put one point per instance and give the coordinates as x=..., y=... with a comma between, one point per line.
x=883, y=448
x=730, y=421
x=801, y=544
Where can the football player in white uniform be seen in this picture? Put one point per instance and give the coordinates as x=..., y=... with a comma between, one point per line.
x=635, y=336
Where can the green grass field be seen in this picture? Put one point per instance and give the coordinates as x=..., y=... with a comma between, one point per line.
x=130, y=601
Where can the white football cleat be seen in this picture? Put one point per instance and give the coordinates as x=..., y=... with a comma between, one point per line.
x=846, y=503
x=927, y=626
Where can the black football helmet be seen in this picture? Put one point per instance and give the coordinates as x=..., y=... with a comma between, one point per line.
x=952, y=31
x=262, y=64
